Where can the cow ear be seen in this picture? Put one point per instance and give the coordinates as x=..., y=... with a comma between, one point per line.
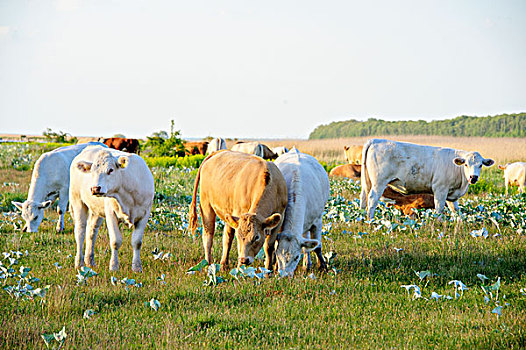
x=44, y=205
x=84, y=166
x=503, y=167
x=309, y=244
x=233, y=221
x=18, y=205
x=346, y=147
x=272, y=221
x=123, y=161
x=459, y=161
x=488, y=162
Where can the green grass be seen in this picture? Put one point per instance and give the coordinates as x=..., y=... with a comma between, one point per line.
x=359, y=304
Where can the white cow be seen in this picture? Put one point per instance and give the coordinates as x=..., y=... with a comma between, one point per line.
x=49, y=181
x=280, y=150
x=412, y=168
x=253, y=147
x=112, y=184
x=216, y=144
x=308, y=191
x=514, y=174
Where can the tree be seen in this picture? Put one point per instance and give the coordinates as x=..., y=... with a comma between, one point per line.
x=160, y=145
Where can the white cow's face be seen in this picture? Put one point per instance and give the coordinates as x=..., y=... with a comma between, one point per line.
x=251, y=232
x=288, y=252
x=472, y=164
x=32, y=213
x=105, y=173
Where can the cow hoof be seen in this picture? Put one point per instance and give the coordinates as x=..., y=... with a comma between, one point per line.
x=136, y=268
x=224, y=267
x=90, y=262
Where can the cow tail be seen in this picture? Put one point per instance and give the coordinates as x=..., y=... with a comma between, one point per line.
x=364, y=178
x=192, y=212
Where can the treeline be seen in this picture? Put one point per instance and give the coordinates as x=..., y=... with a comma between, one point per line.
x=504, y=125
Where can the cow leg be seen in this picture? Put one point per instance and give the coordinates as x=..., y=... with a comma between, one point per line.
x=62, y=208
x=208, y=217
x=307, y=262
x=79, y=218
x=269, y=247
x=363, y=198
x=115, y=237
x=453, y=206
x=228, y=237
x=93, y=225
x=506, y=183
x=373, y=198
x=136, y=242
x=316, y=234
x=440, y=200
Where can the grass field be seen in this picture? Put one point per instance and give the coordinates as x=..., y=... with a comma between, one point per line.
x=367, y=299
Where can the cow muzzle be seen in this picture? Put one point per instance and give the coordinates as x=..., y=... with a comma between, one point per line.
x=96, y=191
x=473, y=179
x=245, y=261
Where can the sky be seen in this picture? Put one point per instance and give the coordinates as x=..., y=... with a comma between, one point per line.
x=253, y=68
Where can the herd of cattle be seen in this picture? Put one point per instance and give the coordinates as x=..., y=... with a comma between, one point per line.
x=276, y=205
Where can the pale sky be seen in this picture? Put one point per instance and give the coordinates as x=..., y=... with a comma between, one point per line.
x=254, y=69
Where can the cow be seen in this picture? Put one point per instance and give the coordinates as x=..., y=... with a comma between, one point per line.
x=406, y=203
x=122, y=144
x=195, y=147
x=216, y=144
x=350, y=171
x=280, y=150
x=308, y=192
x=353, y=154
x=49, y=181
x=411, y=168
x=254, y=147
x=249, y=194
x=115, y=185
x=514, y=174
x=268, y=154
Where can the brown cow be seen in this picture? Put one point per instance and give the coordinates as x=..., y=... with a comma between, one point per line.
x=122, y=144
x=406, y=203
x=196, y=147
x=353, y=154
x=249, y=194
x=351, y=171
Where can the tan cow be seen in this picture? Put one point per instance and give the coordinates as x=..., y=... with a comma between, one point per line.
x=196, y=147
x=249, y=194
x=351, y=171
x=353, y=154
x=252, y=147
x=406, y=203
x=514, y=174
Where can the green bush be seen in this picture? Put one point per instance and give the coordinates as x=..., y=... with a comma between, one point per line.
x=178, y=162
x=162, y=145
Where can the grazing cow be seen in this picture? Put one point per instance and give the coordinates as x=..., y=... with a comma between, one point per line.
x=254, y=147
x=308, y=191
x=280, y=150
x=122, y=144
x=216, y=144
x=49, y=181
x=514, y=174
x=249, y=194
x=112, y=184
x=196, y=147
x=353, y=154
x=407, y=202
x=413, y=168
x=351, y=171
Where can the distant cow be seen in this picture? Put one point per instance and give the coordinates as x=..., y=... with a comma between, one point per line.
x=49, y=181
x=350, y=171
x=216, y=144
x=255, y=148
x=112, y=184
x=122, y=144
x=249, y=194
x=268, y=154
x=353, y=154
x=280, y=150
x=196, y=147
x=308, y=191
x=87, y=139
x=514, y=174
x=406, y=203
x=413, y=168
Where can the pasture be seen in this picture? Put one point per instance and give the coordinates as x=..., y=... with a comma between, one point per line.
x=395, y=282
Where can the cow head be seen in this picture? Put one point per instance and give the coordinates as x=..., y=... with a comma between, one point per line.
x=472, y=163
x=288, y=251
x=32, y=213
x=105, y=173
x=251, y=232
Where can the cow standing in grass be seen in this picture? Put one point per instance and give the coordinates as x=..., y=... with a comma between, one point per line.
x=444, y=172
x=308, y=192
x=216, y=144
x=514, y=174
x=115, y=185
x=49, y=181
x=249, y=194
